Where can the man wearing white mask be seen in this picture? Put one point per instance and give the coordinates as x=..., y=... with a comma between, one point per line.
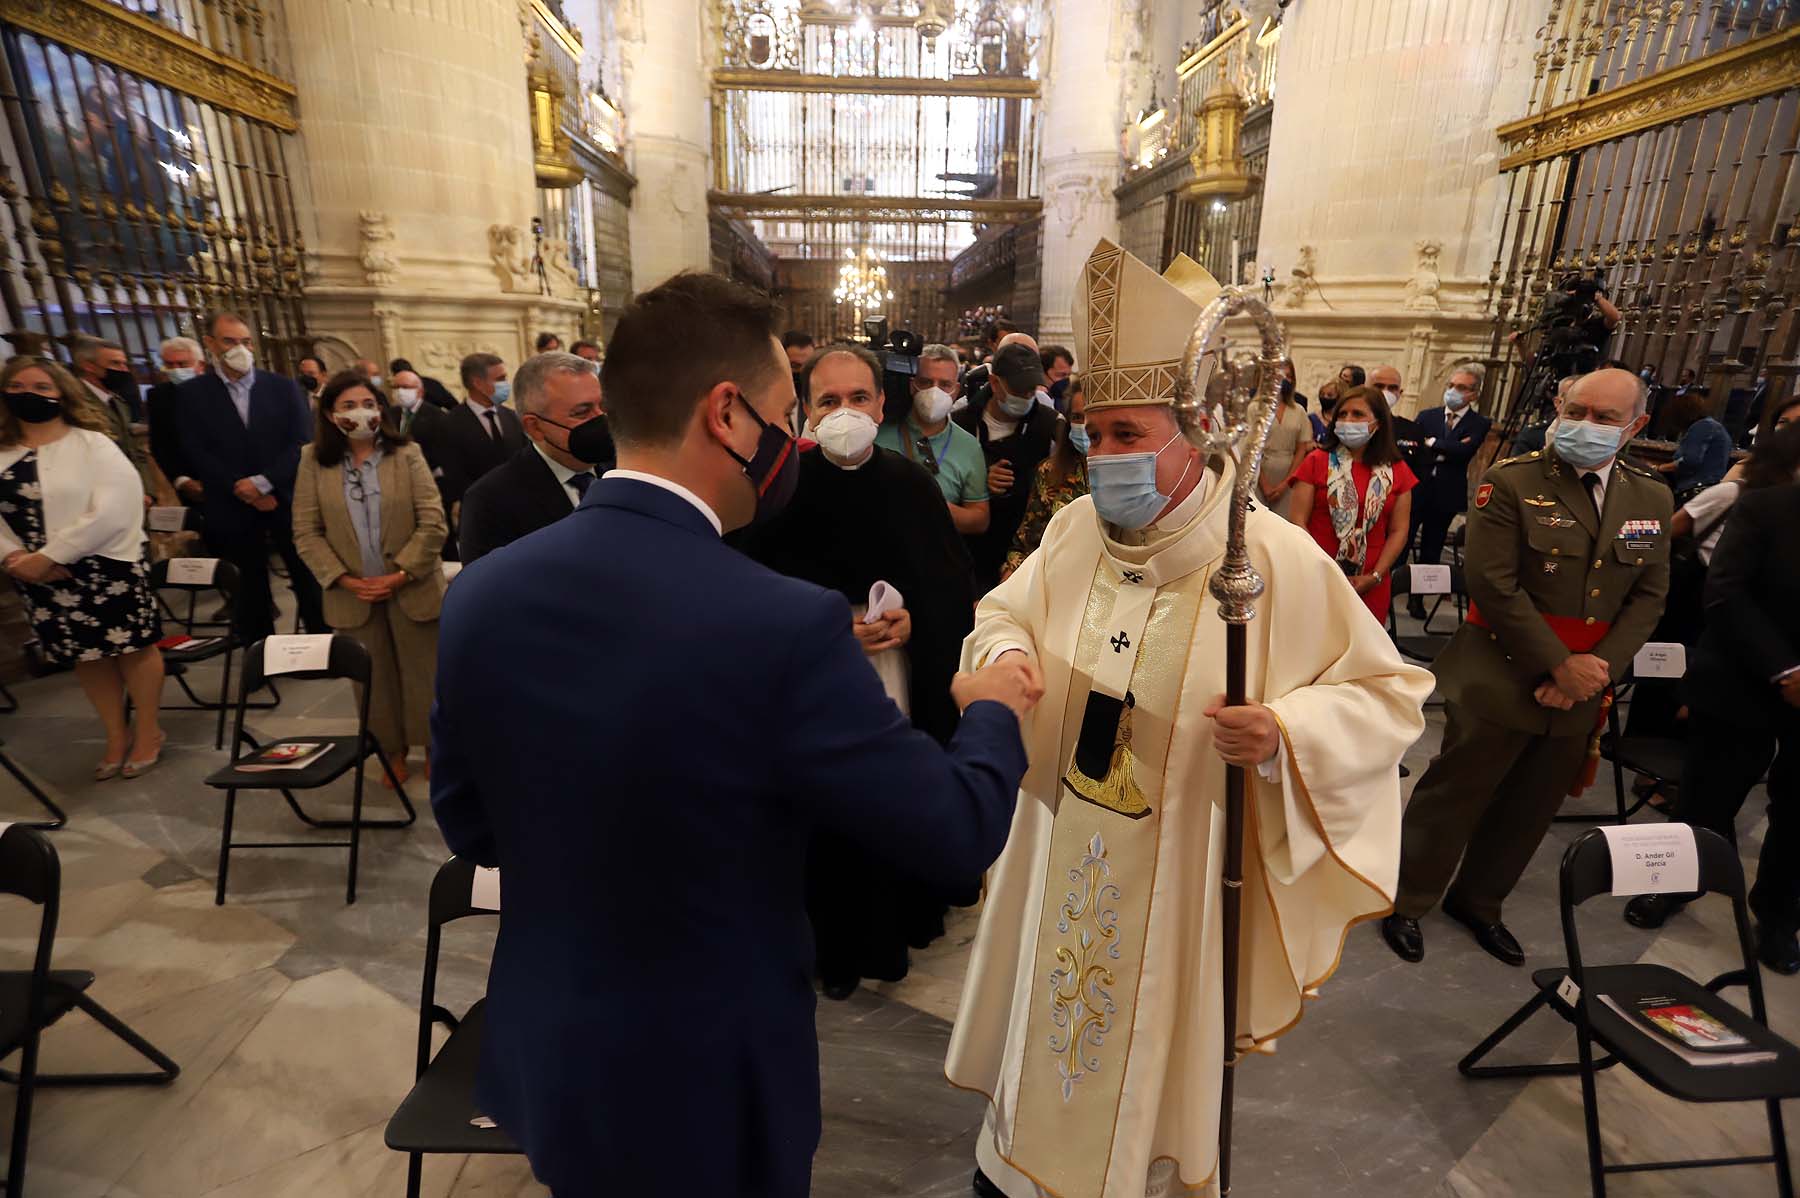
x=1568, y=567
x=241, y=431
x=1091, y=1017
x=1016, y=433
x=947, y=451
x=1453, y=434
x=181, y=360
x=863, y=515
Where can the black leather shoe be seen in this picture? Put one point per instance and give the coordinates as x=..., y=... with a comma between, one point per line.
x=839, y=989
x=1779, y=951
x=985, y=1188
x=1415, y=607
x=1652, y=910
x=1403, y=936
x=1493, y=938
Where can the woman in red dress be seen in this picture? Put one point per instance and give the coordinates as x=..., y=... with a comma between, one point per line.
x=1353, y=495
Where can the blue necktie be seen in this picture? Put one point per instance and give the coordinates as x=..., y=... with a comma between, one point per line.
x=581, y=482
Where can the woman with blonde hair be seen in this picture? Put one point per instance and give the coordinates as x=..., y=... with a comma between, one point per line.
x=72, y=538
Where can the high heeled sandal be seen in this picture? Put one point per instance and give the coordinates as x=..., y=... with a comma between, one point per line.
x=137, y=769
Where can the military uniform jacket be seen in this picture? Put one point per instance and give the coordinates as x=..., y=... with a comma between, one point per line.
x=1536, y=549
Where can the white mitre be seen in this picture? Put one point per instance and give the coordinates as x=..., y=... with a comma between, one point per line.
x=1132, y=325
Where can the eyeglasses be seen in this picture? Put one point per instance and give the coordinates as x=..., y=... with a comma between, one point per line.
x=356, y=484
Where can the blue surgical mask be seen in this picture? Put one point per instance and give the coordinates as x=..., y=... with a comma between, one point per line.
x=1016, y=406
x=180, y=374
x=1078, y=438
x=1584, y=444
x=1354, y=434
x=1124, y=487
x=1454, y=399
x=502, y=391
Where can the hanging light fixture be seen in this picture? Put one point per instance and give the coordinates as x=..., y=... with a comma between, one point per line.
x=930, y=24
x=862, y=283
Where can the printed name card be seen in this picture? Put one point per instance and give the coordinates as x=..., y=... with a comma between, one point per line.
x=192, y=571
x=167, y=519
x=1660, y=659
x=296, y=654
x=1431, y=580
x=485, y=894
x=1653, y=859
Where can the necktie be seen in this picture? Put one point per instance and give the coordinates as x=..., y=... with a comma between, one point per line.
x=493, y=424
x=581, y=482
x=1591, y=481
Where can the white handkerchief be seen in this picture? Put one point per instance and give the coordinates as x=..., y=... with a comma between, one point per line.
x=883, y=598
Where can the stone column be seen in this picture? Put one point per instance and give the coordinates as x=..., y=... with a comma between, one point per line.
x=1382, y=206
x=1083, y=111
x=668, y=104
x=418, y=183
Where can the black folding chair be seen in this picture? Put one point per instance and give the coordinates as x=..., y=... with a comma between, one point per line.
x=1424, y=647
x=348, y=660
x=35, y=791
x=1587, y=872
x=9, y=702
x=191, y=521
x=33, y=999
x=1657, y=757
x=439, y=1114
x=178, y=661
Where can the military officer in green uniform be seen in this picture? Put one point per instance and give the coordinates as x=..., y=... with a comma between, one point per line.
x=1567, y=563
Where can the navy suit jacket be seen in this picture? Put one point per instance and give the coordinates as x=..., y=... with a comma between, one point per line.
x=641, y=726
x=220, y=450
x=1444, y=483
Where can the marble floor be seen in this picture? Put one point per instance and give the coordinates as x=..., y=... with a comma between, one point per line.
x=293, y=1017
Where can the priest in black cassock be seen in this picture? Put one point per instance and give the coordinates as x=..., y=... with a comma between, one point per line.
x=864, y=516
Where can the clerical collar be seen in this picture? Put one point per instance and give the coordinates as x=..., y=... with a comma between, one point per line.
x=1172, y=522
x=867, y=457
x=1189, y=538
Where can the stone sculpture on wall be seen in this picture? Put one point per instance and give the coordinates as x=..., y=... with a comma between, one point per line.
x=1422, y=288
x=379, y=266
x=1305, y=279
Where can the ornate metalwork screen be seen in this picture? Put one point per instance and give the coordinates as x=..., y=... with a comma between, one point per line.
x=143, y=170
x=901, y=127
x=1660, y=155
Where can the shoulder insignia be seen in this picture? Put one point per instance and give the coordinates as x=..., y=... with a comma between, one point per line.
x=1635, y=468
x=1483, y=493
x=1513, y=461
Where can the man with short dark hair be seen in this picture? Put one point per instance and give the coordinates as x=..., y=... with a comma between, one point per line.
x=1058, y=362
x=241, y=430
x=944, y=448
x=620, y=691
x=479, y=433
x=548, y=343
x=797, y=344
x=1016, y=433
x=1454, y=434
x=313, y=374
x=587, y=349
x=103, y=368
x=559, y=400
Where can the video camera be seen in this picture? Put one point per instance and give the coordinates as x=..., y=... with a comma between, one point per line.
x=899, y=353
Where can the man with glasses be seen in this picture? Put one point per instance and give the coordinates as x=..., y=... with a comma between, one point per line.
x=1451, y=437
x=949, y=452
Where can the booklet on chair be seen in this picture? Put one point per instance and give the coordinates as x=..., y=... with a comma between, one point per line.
x=288, y=755
x=1695, y=1035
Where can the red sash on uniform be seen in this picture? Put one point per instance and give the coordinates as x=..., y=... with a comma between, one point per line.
x=1575, y=632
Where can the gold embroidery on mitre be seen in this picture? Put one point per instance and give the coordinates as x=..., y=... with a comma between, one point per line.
x=1118, y=791
x=1132, y=325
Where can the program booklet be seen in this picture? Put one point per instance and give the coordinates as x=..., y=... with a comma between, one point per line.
x=288, y=755
x=1694, y=1035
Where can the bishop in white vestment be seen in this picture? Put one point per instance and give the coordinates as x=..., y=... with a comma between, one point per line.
x=1092, y=1013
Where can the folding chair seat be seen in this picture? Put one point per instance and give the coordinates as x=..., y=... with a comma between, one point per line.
x=344, y=754
x=179, y=660
x=439, y=1114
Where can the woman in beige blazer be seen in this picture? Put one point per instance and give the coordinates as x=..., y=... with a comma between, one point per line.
x=369, y=524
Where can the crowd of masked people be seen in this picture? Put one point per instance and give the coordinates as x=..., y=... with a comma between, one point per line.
x=363, y=482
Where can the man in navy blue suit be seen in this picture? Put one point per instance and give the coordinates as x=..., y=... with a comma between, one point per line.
x=1451, y=437
x=641, y=727
x=241, y=431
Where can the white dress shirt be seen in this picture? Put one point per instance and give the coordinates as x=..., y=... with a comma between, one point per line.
x=563, y=475
x=490, y=427
x=674, y=488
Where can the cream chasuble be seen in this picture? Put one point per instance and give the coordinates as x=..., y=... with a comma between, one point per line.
x=1091, y=1014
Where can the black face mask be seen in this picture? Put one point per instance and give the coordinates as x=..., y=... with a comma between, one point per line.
x=774, y=471
x=32, y=408
x=120, y=382
x=590, y=441
x=309, y=383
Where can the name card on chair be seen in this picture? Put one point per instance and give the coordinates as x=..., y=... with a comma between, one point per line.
x=1652, y=859
x=1430, y=580
x=1660, y=659
x=295, y=654
x=192, y=571
x=167, y=519
x=485, y=894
